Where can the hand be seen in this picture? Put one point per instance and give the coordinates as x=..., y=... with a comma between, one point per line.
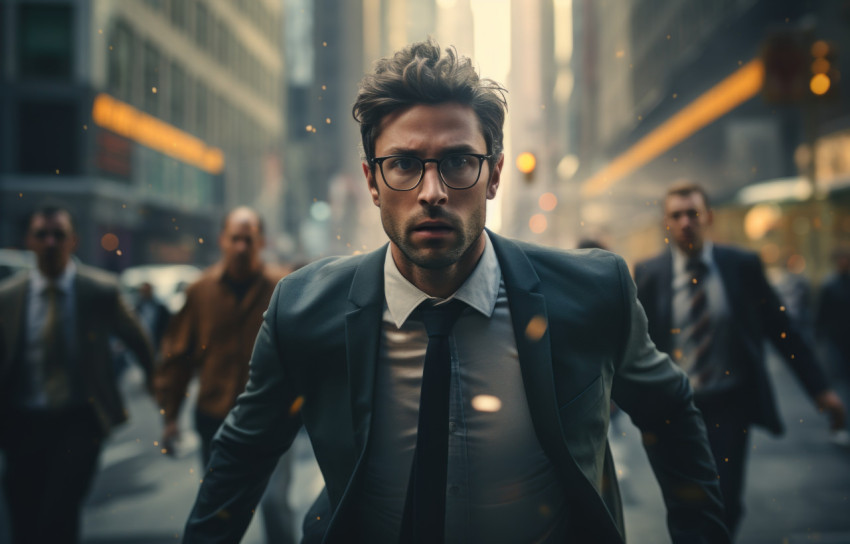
x=829, y=402
x=170, y=435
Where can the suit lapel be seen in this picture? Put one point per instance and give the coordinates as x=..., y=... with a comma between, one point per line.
x=529, y=316
x=362, y=337
x=14, y=320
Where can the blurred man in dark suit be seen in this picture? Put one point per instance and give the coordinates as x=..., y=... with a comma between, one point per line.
x=711, y=308
x=58, y=393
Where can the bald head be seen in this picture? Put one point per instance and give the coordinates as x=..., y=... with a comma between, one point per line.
x=241, y=241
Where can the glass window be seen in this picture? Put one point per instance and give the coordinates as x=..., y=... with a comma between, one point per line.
x=44, y=46
x=120, y=61
x=48, y=133
x=202, y=16
x=178, y=13
x=151, y=82
x=201, y=123
x=178, y=96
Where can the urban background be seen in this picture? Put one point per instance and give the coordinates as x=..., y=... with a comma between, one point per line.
x=151, y=118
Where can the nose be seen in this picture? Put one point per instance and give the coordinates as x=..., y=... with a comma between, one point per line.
x=432, y=191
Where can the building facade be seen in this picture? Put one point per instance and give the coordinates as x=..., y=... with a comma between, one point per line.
x=149, y=118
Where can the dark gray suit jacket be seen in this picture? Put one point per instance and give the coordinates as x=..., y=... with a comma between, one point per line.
x=318, y=347
x=758, y=316
x=101, y=313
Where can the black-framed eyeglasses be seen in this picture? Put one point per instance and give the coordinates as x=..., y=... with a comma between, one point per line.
x=455, y=170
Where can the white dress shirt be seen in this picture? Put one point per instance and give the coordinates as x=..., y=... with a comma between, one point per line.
x=501, y=487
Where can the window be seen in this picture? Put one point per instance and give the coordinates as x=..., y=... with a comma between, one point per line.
x=120, y=61
x=201, y=110
x=178, y=14
x=201, y=25
x=44, y=46
x=48, y=136
x=178, y=96
x=151, y=80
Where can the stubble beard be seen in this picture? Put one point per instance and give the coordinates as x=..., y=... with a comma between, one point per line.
x=435, y=256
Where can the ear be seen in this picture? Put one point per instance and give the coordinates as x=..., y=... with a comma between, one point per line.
x=75, y=242
x=709, y=217
x=373, y=185
x=495, y=177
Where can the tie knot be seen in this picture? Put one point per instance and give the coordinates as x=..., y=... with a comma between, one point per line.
x=440, y=319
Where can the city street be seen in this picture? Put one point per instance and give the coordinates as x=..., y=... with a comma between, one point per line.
x=798, y=486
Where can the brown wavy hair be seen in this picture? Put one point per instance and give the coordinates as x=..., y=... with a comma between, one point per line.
x=423, y=73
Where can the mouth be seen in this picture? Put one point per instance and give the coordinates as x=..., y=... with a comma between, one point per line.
x=433, y=229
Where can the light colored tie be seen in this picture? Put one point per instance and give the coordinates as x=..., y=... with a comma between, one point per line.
x=54, y=365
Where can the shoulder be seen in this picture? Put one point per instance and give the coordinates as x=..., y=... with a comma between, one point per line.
x=100, y=279
x=14, y=285
x=742, y=259
x=566, y=266
x=208, y=278
x=327, y=272
x=653, y=264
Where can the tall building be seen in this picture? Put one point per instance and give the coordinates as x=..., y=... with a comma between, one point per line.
x=686, y=89
x=148, y=117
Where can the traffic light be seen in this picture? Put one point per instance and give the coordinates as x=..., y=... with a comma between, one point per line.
x=785, y=71
x=526, y=163
x=799, y=68
x=823, y=70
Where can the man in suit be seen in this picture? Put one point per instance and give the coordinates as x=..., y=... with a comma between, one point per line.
x=711, y=308
x=57, y=386
x=516, y=394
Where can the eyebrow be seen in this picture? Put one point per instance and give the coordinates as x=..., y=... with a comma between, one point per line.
x=461, y=148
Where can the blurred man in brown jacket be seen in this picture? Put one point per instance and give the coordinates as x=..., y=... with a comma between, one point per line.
x=214, y=332
x=213, y=336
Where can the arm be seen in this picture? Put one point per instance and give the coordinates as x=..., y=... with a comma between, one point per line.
x=795, y=350
x=130, y=331
x=657, y=396
x=177, y=363
x=259, y=429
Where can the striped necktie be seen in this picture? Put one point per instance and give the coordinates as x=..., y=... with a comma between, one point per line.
x=697, y=331
x=54, y=368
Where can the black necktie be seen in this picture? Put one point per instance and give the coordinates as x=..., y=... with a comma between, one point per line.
x=425, y=506
x=698, y=330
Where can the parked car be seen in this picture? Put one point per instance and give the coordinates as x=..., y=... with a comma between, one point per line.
x=169, y=281
x=13, y=261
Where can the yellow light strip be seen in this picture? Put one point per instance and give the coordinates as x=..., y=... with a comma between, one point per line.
x=127, y=121
x=736, y=89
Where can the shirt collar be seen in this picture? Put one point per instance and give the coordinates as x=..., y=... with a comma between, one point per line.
x=479, y=291
x=680, y=260
x=39, y=282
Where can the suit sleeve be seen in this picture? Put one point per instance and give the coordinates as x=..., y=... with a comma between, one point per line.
x=657, y=396
x=781, y=332
x=130, y=331
x=259, y=429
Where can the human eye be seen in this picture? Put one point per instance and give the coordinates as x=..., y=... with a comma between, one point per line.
x=401, y=164
x=457, y=162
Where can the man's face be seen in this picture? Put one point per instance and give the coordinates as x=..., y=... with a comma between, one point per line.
x=241, y=243
x=52, y=239
x=433, y=226
x=687, y=220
